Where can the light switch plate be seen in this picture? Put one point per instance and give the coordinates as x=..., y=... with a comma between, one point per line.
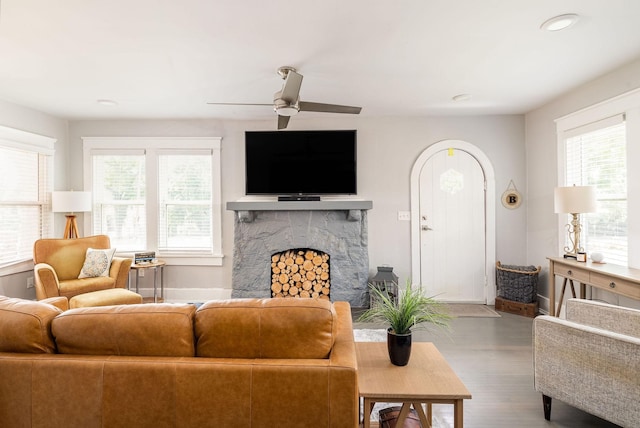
x=404, y=215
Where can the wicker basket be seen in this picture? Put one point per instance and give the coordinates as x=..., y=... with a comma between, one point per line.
x=517, y=283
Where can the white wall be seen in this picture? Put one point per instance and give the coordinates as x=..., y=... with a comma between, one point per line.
x=33, y=121
x=541, y=164
x=387, y=148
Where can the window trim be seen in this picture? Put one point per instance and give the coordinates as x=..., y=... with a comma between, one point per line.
x=159, y=144
x=627, y=104
x=29, y=141
x=24, y=140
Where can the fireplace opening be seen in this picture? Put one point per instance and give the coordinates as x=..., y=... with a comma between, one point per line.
x=300, y=273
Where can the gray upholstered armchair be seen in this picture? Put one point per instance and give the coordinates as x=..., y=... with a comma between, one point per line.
x=590, y=360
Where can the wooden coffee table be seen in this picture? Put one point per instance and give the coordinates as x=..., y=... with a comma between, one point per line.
x=426, y=379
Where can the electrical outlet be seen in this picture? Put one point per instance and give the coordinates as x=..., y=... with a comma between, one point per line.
x=141, y=272
x=30, y=283
x=404, y=215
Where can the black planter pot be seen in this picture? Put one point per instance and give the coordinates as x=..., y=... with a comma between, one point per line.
x=399, y=346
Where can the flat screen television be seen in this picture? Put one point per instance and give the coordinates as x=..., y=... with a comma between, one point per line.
x=301, y=162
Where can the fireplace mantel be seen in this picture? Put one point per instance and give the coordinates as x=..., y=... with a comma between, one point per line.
x=246, y=209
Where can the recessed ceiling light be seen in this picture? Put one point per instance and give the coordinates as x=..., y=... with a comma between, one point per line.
x=559, y=22
x=461, y=97
x=109, y=103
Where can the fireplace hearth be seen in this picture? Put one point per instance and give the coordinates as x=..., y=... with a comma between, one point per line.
x=264, y=230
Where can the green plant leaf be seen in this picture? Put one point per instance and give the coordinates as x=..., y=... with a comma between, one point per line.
x=411, y=309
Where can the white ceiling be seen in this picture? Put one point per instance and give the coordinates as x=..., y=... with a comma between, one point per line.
x=168, y=58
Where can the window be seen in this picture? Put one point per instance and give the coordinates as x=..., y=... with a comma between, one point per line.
x=609, y=165
x=119, y=203
x=184, y=194
x=26, y=174
x=159, y=194
x=596, y=156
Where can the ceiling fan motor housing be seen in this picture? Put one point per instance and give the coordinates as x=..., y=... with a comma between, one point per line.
x=284, y=107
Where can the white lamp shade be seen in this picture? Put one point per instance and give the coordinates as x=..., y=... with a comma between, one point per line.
x=575, y=199
x=70, y=202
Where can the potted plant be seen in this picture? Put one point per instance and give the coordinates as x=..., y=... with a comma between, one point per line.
x=411, y=309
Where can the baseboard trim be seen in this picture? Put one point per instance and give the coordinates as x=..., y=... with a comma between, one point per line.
x=543, y=305
x=189, y=295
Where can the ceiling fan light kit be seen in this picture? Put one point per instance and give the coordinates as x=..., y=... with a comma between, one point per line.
x=286, y=111
x=286, y=102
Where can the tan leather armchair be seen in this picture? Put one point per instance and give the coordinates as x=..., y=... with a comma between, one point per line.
x=58, y=263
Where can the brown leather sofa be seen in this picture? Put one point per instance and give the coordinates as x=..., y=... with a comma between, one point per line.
x=236, y=363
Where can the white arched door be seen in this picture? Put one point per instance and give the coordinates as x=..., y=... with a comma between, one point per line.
x=450, y=224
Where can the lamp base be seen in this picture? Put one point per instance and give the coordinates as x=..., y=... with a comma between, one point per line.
x=71, y=228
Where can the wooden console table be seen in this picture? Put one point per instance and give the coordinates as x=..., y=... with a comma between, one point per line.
x=613, y=278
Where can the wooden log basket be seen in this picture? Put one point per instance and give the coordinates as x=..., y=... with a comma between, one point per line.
x=389, y=418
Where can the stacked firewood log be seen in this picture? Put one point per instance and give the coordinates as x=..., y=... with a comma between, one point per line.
x=301, y=274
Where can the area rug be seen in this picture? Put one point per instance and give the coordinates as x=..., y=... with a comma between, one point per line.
x=370, y=335
x=464, y=310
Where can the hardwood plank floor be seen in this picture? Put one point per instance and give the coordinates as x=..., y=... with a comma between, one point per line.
x=494, y=359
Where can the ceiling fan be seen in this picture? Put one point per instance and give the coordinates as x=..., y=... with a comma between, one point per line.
x=286, y=102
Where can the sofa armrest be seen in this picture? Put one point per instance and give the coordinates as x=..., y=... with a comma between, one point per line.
x=605, y=316
x=119, y=271
x=343, y=362
x=589, y=368
x=344, y=348
x=59, y=302
x=46, y=281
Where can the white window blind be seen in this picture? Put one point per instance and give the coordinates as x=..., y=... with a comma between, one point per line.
x=24, y=209
x=596, y=155
x=119, y=199
x=185, y=202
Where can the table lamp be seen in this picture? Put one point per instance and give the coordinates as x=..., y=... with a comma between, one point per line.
x=574, y=200
x=71, y=202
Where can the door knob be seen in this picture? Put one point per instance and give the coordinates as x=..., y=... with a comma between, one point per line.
x=426, y=228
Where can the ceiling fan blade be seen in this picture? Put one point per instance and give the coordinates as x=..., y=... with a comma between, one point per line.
x=283, y=121
x=241, y=104
x=291, y=87
x=328, y=108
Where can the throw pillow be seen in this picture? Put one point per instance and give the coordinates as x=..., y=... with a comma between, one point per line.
x=97, y=263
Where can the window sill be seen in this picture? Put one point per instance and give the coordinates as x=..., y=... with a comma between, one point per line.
x=17, y=267
x=182, y=260
x=185, y=259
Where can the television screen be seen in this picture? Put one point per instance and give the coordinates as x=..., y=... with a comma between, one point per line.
x=300, y=162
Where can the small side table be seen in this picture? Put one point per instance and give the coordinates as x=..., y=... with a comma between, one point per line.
x=158, y=268
x=427, y=379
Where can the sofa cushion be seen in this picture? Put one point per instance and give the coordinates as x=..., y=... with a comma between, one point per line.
x=157, y=329
x=73, y=287
x=25, y=326
x=112, y=296
x=265, y=328
x=96, y=263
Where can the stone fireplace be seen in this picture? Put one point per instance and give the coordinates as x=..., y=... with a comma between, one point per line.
x=335, y=230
